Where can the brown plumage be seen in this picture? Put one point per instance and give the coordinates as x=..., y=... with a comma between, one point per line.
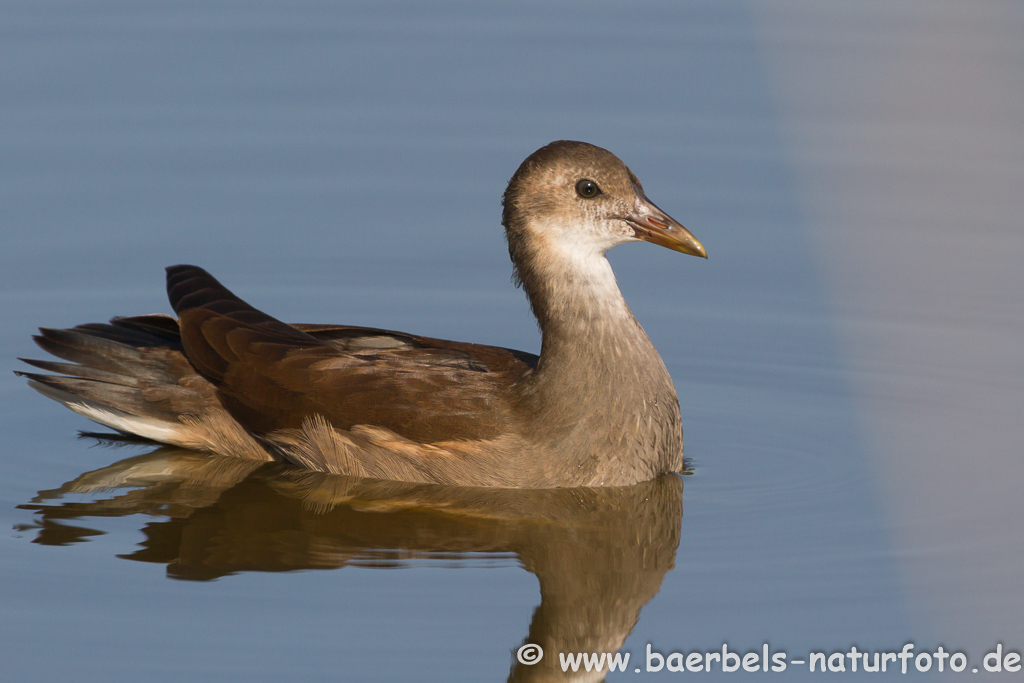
x=596, y=408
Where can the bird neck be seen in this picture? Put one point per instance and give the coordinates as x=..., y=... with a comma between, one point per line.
x=600, y=395
x=594, y=354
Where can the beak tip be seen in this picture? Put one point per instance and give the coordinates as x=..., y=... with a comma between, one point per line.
x=692, y=247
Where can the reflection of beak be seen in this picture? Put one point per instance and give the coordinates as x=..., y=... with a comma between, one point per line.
x=653, y=225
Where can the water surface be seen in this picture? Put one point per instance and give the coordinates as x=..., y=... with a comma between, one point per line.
x=848, y=360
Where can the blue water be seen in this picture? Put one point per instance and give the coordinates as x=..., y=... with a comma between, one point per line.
x=847, y=360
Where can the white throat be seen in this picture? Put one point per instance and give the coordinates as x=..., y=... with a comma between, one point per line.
x=577, y=276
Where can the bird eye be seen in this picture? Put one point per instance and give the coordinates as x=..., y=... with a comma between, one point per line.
x=587, y=189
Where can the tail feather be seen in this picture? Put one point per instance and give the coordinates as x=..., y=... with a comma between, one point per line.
x=131, y=375
x=157, y=325
x=77, y=346
x=124, y=397
x=125, y=367
x=74, y=370
x=149, y=428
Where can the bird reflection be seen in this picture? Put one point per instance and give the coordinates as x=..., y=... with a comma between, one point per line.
x=599, y=554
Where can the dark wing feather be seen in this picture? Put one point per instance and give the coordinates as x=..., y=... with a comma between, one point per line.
x=271, y=375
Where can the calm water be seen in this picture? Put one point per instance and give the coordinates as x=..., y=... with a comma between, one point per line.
x=849, y=361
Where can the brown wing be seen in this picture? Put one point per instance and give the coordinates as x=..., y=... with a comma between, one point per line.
x=271, y=375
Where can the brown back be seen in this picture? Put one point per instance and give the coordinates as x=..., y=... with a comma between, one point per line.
x=271, y=375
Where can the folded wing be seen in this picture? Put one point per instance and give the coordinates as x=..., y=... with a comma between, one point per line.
x=270, y=375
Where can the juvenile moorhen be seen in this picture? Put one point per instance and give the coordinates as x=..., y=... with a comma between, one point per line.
x=596, y=408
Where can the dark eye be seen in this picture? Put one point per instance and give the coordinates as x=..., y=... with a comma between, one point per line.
x=587, y=189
